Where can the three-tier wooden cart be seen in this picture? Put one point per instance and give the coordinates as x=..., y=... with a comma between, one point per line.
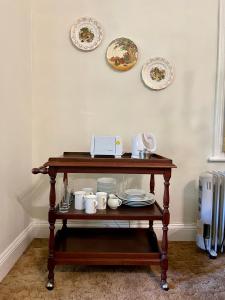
x=108, y=246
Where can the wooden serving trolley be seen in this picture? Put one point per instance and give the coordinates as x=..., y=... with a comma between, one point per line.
x=108, y=246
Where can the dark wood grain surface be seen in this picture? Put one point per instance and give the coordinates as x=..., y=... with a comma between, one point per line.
x=106, y=246
x=84, y=159
x=151, y=212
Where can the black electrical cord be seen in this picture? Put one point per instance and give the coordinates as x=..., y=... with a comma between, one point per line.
x=222, y=244
x=206, y=250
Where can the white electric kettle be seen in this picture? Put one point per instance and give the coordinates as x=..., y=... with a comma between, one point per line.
x=141, y=142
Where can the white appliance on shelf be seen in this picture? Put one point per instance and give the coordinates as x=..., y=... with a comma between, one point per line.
x=141, y=142
x=211, y=212
x=106, y=145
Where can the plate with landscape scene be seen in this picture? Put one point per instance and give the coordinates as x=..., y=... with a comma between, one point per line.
x=122, y=54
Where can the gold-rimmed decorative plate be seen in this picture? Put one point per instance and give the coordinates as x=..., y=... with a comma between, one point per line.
x=157, y=73
x=86, y=34
x=122, y=54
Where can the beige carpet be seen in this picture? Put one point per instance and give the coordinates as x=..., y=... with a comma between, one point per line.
x=191, y=276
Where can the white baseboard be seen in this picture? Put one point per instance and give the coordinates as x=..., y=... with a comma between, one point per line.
x=177, y=231
x=13, y=252
x=41, y=228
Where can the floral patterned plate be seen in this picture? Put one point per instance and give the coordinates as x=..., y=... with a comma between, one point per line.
x=86, y=34
x=157, y=73
x=122, y=54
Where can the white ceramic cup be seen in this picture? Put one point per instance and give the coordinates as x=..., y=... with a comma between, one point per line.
x=114, y=202
x=101, y=199
x=88, y=191
x=79, y=200
x=90, y=204
x=112, y=196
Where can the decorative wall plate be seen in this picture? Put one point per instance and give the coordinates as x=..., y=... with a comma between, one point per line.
x=122, y=54
x=86, y=34
x=157, y=73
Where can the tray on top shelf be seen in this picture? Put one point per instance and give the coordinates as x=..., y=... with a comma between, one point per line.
x=84, y=159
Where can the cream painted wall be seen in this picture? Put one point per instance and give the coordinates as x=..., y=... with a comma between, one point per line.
x=15, y=121
x=76, y=94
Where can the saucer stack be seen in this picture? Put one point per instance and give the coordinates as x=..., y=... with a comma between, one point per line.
x=137, y=198
x=107, y=185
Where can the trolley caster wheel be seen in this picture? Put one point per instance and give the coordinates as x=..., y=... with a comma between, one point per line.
x=50, y=285
x=165, y=286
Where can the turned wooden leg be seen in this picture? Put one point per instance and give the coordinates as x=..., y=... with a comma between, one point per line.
x=152, y=190
x=165, y=221
x=64, y=224
x=51, y=219
x=151, y=231
x=152, y=184
x=150, y=225
x=65, y=183
x=51, y=262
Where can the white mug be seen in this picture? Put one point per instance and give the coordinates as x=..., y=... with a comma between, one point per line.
x=88, y=190
x=112, y=196
x=90, y=204
x=79, y=200
x=114, y=202
x=101, y=199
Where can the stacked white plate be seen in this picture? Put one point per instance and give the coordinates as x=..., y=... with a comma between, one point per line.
x=107, y=185
x=136, y=198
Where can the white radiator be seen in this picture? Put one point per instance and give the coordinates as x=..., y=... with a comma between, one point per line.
x=211, y=212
